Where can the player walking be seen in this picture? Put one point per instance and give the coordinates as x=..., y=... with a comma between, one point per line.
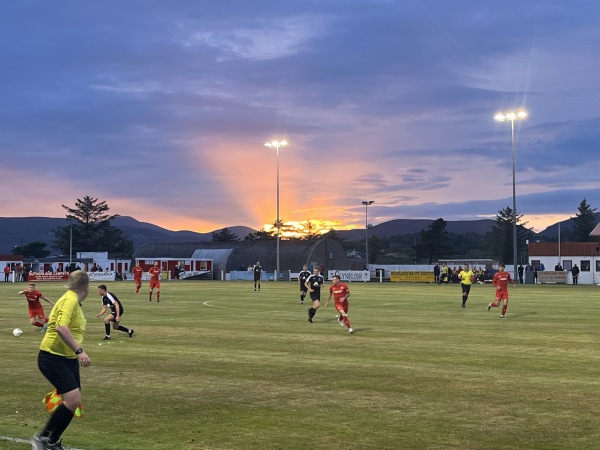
x=501, y=280
x=257, y=270
x=137, y=272
x=313, y=285
x=302, y=277
x=110, y=301
x=466, y=277
x=154, y=273
x=36, y=311
x=340, y=292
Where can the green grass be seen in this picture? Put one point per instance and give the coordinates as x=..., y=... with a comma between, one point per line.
x=216, y=365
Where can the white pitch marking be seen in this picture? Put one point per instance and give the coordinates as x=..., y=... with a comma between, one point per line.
x=27, y=441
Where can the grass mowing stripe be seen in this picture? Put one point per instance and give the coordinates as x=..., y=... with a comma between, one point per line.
x=248, y=371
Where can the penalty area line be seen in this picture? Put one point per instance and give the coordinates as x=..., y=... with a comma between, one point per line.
x=28, y=441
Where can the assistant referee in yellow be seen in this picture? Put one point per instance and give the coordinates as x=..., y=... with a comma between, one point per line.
x=61, y=355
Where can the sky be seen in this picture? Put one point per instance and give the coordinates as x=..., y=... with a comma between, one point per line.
x=162, y=109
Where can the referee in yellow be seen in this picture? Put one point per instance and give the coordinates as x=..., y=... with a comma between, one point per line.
x=61, y=355
x=466, y=277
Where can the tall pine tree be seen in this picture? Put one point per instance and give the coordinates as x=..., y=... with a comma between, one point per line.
x=91, y=230
x=434, y=242
x=583, y=222
x=501, y=236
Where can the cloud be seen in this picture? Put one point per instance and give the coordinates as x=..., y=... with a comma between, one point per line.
x=162, y=108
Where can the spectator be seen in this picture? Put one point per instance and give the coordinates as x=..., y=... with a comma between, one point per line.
x=575, y=274
x=520, y=271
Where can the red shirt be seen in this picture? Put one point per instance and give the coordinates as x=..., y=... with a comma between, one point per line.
x=137, y=272
x=501, y=279
x=339, y=291
x=154, y=273
x=33, y=298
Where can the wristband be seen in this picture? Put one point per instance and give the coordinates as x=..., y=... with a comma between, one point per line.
x=79, y=351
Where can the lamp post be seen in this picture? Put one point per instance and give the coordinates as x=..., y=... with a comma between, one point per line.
x=512, y=117
x=367, y=203
x=276, y=145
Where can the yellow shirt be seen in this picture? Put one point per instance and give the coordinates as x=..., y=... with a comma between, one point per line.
x=466, y=276
x=66, y=311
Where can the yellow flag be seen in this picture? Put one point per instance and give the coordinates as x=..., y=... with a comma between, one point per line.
x=52, y=400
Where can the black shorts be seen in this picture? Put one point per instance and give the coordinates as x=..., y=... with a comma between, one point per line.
x=61, y=372
x=256, y=277
x=303, y=288
x=466, y=288
x=315, y=296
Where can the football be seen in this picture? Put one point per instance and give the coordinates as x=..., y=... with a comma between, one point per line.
x=17, y=332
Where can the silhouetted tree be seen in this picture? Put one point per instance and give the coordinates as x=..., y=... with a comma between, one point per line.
x=583, y=222
x=434, y=242
x=35, y=249
x=260, y=235
x=91, y=230
x=501, y=236
x=224, y=235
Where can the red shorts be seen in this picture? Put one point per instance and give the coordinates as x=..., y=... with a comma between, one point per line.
x=342, y=306
x=154, y=284
x=501, y=295
x=38, y=311
x=137, y=281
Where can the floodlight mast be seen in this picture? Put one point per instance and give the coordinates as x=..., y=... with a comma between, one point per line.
x=276, y=145
x=512, y=117
x=367, y=203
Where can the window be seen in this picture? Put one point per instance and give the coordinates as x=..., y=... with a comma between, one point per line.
x=597, y=266
x=585, y=266
x=567, y=264
x=535, y=263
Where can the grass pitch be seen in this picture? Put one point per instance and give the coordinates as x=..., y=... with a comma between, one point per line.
x=216, y=365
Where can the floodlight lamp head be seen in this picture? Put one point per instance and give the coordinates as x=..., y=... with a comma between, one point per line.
x=521, y=114
x=500, y=117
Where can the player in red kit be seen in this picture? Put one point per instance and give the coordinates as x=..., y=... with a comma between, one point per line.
x=340, y=292
x=501, y=280
x=154, y=273
x=36, y=311
x=137, y=272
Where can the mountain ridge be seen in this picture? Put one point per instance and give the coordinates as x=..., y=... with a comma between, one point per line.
x=17, y=231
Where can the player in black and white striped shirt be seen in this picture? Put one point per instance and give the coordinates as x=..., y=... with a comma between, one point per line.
x=110, y=301
x=302, y=277
x=313, y=284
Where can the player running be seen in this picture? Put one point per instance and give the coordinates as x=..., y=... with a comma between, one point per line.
x=36, y=311
x=501, y=280
x=302, y=277
x=313, y=285
x=340, y=292
x=466, y=277
x=110, y=301
x=137, y=272
x=154, y=273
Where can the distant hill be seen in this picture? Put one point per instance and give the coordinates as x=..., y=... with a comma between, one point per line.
x=410, y=226
x=17, y=230
x=566, y=226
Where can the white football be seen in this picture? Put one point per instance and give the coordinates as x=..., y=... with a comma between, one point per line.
x=17, y=332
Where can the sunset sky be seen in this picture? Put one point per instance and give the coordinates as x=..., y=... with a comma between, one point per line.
x=162, y=109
